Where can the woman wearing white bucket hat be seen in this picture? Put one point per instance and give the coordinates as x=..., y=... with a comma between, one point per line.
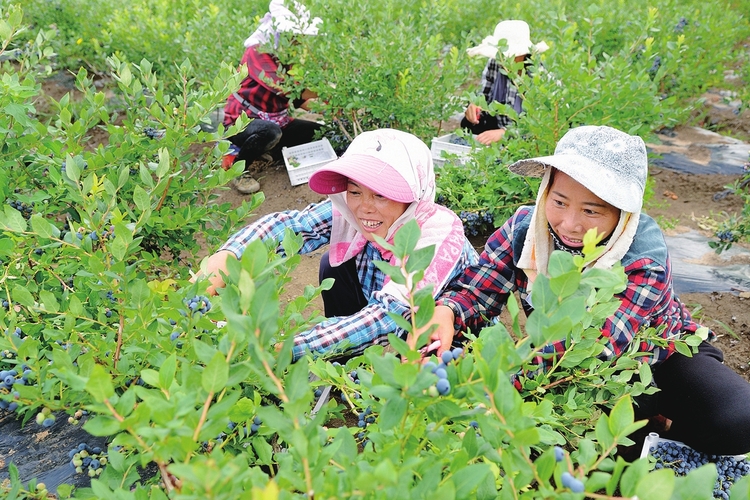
x=384, y=179
x=596, y=179
x=260, y=96
x=497, y=85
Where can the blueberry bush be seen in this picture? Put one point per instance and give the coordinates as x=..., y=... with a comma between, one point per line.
x=100, y=322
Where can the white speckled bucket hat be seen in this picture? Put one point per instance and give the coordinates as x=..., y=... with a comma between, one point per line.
x=611, y=164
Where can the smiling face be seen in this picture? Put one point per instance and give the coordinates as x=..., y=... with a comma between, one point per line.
x=374, y=213
x=572, y=210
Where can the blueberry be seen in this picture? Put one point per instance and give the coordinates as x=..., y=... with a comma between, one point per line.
x=559, y=454
x=446, y=357
x=443, y=386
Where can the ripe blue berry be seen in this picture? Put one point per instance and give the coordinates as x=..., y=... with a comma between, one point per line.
x=559, y=454
x=446, y=357
x=572, y=483
x=443, y=386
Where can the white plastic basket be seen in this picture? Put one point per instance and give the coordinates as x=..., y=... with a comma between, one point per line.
x=653, y=439
x=303, y=160
x=442, y=145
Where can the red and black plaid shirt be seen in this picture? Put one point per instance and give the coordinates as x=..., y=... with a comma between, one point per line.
x=259, y=88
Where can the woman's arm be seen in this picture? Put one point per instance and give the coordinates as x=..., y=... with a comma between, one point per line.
x=312, y=223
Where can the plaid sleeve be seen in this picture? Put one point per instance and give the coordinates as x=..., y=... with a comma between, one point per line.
x=351, y=334
x=313, y=223
x=482, y=290
x=488, y=79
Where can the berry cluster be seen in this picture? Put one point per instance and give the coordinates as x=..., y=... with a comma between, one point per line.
x=725, y=236
x=655, y=65
x=77, y=416
x=459, y=141
x=680, y=27
x=153, y=133
x=45, y=418
x=365, y=418
x=443, y=385
x=243, y=432
x=198, y=304
x=22, y=207
x=10, y=378
x=683, y=459
x=475, y=222
x=88, y=458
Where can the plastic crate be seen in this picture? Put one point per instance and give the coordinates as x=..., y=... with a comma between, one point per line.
x=653, y=439
x=442, y=145
x=303, y=160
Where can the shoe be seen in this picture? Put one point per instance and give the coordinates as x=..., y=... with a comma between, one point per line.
x=246, y=184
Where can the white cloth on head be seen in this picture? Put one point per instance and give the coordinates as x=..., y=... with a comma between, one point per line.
x=537, y=247
x=280, y=19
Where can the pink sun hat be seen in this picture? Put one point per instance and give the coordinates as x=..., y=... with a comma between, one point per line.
x=387, y=161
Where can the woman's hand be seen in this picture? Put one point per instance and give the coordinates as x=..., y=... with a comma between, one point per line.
x=490, y=136
x=472, y=113
x=443, y=334
x=214, y=266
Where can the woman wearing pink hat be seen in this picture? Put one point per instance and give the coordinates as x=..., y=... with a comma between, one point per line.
x=383, y=180
x=497, y=85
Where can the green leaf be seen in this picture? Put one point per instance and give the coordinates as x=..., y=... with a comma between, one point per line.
x=215, y=374
x=49, y=301
x=22, y=296
x=658, y=485
x=621, y=416
x=394, y=272
x=698, y=484
x=163, y=167
x=102, y=425
x=74, y=306
x=141, y=198
x=72, y=169
x=406, y=238
x=42, y=227
x=167, y=371
x=5, y=30
x=467, y=479
x=99, y=384
x=565, y=284
x=150, y=377
x=118, y=248
x=561, y=263
x=420, y=259
x=645, y=373
x=633, y=476
x=392, y=413
x=12, y=220
x=204, y=351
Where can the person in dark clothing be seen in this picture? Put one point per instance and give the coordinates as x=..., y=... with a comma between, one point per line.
x=261, y=98
x=497, y=85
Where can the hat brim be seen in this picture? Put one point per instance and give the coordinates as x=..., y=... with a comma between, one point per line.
x=366, y=171
x=490, y=50
x=618, y=192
